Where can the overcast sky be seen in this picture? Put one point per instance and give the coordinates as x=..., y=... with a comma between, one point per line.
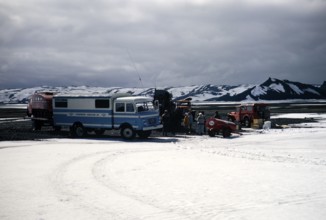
x=163, y=42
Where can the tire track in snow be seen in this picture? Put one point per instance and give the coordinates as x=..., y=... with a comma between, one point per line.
x=237, y=151
x=107, y=178
x=88, y=182
x=263, y=156
x=253, y=155
x=78, y=183
x=173, y=210
x=189, y=206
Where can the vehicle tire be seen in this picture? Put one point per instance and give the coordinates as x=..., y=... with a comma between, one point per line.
x=144, y=134
x=226, y=132
x=211, y=133
x=247, y=122
x=78, y=130
x=127, y=133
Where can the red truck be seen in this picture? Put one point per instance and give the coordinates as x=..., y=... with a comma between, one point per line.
x=246, y=113
x=215, y=126
x=40, y=109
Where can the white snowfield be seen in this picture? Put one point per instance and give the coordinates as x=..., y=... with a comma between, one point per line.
x=273, y=174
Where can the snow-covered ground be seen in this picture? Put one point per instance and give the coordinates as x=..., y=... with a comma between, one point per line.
x=273, y=174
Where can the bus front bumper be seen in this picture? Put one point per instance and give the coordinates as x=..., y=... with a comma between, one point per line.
x=152, y=128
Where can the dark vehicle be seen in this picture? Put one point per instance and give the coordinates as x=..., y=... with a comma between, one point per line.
x=216, y=126
x=176, y=109
x=165, y=101
x=40, y=109
x=246, y=113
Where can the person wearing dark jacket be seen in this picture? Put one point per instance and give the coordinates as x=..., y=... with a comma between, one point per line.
x=165, y=122
x=217, y=115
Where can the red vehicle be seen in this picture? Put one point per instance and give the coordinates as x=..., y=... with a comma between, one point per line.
x=246, y=113
x=40, y=109
x=215, y=126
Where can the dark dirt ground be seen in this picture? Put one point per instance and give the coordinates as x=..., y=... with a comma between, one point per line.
x=14, y=125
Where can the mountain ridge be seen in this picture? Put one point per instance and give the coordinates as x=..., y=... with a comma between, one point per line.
x=272, y=89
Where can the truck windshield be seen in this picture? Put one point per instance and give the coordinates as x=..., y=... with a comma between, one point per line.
x=144, y=106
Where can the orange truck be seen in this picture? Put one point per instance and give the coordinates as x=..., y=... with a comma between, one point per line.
x=246, y=113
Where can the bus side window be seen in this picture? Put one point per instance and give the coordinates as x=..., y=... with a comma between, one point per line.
x=120, y=107
x=102, y=103
x=61, y=103
x=130, y=107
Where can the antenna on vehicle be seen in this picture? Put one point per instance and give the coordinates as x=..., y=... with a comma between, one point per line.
x=139, y=78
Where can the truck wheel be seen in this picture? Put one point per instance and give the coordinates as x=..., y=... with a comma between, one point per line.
x=226, y=132
x=211, y=133
x=127, y=133
x=144, y=134
x=247, y=122
x=78, y=130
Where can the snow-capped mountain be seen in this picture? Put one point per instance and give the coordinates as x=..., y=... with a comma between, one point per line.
x=197, y=93
x=272, y=89
x=275, y=89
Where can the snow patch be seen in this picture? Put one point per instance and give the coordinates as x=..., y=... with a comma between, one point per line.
x=312, y=91
x=295, y=88
x=277, y=87
x=277, y=173
x=258, y=91
x=249, y=99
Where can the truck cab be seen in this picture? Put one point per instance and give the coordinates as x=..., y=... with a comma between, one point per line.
x=246, y=113
x=135, y=115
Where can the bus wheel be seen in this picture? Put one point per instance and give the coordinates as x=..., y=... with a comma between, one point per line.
x=144, y=134
x=127, y=132
x=78, y=130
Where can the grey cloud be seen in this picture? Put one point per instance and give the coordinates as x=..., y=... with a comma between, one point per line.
x=111, y=43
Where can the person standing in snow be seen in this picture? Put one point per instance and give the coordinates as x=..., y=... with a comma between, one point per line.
x=165, y=122
x=186, y=122
x=204, y=121
x=191, y=120
x=200, y=124
x=217, y=115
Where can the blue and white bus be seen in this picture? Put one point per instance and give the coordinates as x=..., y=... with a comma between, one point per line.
x=83, y=113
